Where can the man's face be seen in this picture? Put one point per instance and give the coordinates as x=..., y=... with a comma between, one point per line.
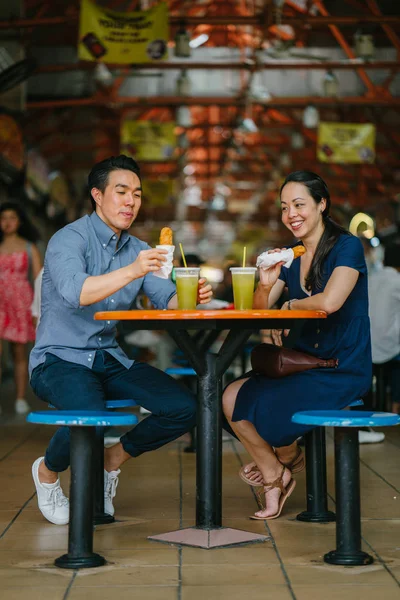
x=119, y=204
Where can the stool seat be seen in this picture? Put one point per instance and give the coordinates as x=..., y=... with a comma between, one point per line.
x=81, y=418
x=339, y=418
x=357, y=403
x=180, y=371
x=120, y=403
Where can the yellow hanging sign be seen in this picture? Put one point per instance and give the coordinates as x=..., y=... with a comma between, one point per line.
x=346, y=142
x=122, y=38
x=146, y=140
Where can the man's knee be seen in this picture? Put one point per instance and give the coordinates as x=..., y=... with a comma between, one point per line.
x=184, y=410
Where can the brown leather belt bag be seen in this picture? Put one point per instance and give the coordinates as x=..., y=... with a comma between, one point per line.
x=276, y=361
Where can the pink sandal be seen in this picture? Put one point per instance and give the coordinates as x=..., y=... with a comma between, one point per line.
x=286, y=492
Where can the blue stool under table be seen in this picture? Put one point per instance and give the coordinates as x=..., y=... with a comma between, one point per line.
x=82, y=426
x=316, y=481
x=347, y=476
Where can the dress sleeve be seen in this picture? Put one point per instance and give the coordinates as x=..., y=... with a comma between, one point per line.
x=350, y=253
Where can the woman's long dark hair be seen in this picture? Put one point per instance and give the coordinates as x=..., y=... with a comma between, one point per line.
x=26, y=230
x=318, y=190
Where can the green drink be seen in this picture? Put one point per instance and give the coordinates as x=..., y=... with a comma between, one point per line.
x=187, y=285
x=243, y=287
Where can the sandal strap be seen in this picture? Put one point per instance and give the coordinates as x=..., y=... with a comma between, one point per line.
x=277, y=483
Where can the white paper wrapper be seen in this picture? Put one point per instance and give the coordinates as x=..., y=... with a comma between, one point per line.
x=265, y=260
x=166, y=269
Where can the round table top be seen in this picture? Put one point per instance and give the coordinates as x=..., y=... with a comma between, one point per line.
x=203, y=315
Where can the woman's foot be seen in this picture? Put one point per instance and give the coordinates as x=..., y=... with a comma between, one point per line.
x=294, y=461
x=276, y=491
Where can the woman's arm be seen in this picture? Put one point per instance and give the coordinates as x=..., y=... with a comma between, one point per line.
x=339, y=287
x=36, y=262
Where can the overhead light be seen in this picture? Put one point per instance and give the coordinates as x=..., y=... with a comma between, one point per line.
x=182, y=43
x=199, y=40
x=330, y=85
x=297, y=140
x=183, y=117
x=183, y=84
x=103, y=75
x=310, y=117
x=248, y=125
x=364, y=45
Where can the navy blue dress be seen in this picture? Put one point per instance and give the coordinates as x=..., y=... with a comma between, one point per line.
x=270, y=403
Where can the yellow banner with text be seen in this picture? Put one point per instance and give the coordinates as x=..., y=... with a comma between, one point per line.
x=346, y=142
x=122, y=38
x=148, y=141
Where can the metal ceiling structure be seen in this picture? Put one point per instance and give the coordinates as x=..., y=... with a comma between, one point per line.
x=247, y=68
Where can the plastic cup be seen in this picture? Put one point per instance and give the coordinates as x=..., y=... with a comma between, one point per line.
x=187, y=285
x=243, y=279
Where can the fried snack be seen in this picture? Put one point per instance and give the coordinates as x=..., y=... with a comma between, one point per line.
x=298, y=251
x=166, y=236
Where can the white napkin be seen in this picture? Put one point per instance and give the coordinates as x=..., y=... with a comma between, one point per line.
x=265, y=260
x=166, y=269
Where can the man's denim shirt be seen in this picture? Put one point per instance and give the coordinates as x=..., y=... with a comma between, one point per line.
x=66, y=329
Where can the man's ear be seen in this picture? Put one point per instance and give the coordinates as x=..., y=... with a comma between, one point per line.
x=96, y=195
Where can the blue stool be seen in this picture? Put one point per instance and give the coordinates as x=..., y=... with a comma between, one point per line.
x=186, y=372
x=316, y=480
x=347, y=476
x=83, y=445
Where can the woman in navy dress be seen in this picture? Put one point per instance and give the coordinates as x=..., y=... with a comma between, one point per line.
x=330, y=276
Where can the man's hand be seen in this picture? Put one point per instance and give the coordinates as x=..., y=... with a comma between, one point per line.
x=148, y=261
x=205, y=292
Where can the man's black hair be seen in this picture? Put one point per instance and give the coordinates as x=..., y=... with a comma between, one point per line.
x=98, y=176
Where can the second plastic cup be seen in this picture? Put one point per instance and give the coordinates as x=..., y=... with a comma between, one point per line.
x=243, y=279
x=187, y=284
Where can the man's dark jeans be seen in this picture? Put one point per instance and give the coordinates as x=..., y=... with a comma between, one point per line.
x=69, y=386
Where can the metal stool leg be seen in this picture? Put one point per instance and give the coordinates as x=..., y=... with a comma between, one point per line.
x=317, y=499
x=348, y=522
x=80, y=535
x=100, y=517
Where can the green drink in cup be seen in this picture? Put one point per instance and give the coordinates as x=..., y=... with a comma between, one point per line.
x=243, y=279
x=187, y=284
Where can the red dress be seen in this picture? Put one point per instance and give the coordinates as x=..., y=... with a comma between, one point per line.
x=16, y=295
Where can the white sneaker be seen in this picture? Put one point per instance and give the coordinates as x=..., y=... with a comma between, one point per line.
x=52, y=503
x=21, y=406
x=110, y=489
x=370, y=436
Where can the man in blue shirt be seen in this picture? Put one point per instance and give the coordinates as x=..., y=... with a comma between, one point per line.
x=94, y=265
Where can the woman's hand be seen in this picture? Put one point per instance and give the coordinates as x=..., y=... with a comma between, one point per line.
x=205, y=292
x=268, y=277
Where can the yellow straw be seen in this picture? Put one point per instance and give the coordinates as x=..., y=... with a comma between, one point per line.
x=244, y=256
x=183, y=255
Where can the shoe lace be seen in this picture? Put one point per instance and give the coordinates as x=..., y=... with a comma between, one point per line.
x=111, y=486
x=57, y=497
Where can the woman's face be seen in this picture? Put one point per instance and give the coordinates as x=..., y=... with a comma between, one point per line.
x=300, y=213
x=9, y=222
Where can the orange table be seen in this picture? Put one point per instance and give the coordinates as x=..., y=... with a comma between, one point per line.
x=208, y=532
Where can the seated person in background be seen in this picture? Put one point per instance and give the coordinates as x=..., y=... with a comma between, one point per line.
x=330, y=276
x=384, y=313
x=92, y=265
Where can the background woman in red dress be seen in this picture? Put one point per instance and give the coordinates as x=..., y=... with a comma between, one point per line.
x=20, y=261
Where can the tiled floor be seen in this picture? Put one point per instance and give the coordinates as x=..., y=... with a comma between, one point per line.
x=157, y=494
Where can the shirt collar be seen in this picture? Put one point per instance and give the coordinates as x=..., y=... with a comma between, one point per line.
x=105, y=234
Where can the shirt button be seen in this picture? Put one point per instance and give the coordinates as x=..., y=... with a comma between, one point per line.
x=90, y=355
x=104, y=245
x=89, y=359
x=99, y=339
x=316, y=345
x=114, y=237
x=108, y=322
x=318, y=331
x=112, y=299
x=113, y=257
